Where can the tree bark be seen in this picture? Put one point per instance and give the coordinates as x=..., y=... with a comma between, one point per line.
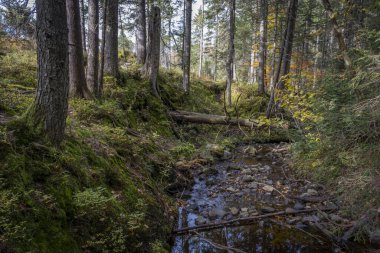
x=263, y=45
x=201, y=118
x=111, y=39
x=287, y=55
x=83, y=26
x=152, y=62
x=216, y=40
x=201, y=42
x=231, y=50
x=78, y=86
x=102, y=49
x=141, y=32
x=50, y=106
x=93, y=47
x=283, y=65
x=187, y=47
x=337, y=33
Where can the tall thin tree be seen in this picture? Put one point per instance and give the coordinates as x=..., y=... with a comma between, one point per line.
x=152, y=62
x=49, y=110
x=263, y=45
x=231, y=49
x=201, y=40
x=141, y=32
x=111, y=62
x=93, y=47
x=78, y=86
x=187, y=47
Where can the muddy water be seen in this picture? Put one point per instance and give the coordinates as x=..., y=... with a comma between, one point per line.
x=252, y=182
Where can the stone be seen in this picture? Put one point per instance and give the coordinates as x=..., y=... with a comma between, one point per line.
x=215, y=150
x=312, y=192
x=336, y=218
x=244, y=209
x=250, y=150
x=268, y=188
x=232, y=168
x=290, y=210
x=231, y=189
x=267, y=209
x=246, y=172
x=311, y=218
x=247, y=178
x=253, y=185
x=300, y=225
x=270, y=182
x=234, y=210
x=200, y=220
x=216, y=213
x=299, y=206
x=226, y=155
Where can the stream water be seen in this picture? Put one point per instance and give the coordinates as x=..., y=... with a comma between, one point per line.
x=253, y=181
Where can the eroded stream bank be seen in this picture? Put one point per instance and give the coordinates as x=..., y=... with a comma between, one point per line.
x=253, y=181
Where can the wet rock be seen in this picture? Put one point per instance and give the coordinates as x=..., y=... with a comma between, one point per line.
x=299, y=206
x=300, y=225
x=265, y=169
x=374, y=237
x=293, y=220
x=216, y=213
x=267, y=209
x=309, y=193
x=290, y=210
x=215, y=150
x=246, y=172
x=310, y=218
x=252, y=185
x=231, y=189
x=254, y=213
x=244, y=210
x=210, y=182
x=200, y=220
x=226, y=155
x=247, y=178
x=336, y=218
x=232, y=168
x=331, y=205
x=234, y=210
x=270, y=182
x=268, y=188
x=250, y=151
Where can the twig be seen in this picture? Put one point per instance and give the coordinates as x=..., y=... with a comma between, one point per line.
x=217, y=245
x=244, y=220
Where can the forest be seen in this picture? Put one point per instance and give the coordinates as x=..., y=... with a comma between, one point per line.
x=189, y=126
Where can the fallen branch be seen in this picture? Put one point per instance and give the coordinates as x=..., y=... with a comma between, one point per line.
x=247, y=220
x=217, y=245
x=202, y=118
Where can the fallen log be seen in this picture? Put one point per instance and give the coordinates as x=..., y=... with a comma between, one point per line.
x=202, y=118
x=246, y=220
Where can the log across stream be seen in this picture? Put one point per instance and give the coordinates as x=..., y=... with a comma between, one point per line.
x=241, y=204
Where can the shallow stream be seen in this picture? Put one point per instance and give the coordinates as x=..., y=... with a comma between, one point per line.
x=253, y=181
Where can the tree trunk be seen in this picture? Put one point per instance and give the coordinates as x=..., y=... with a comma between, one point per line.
x=83, y=26
x=283, y=66
x=102, y=49
x=93, y=47
x=287, y=55
x=231, y=50
x=50, y=106
x=152, y=62
x=141, y=32
x=187, y=48
x=263, y=45
x=274, y=61
x=215, y=74
x=201, y=42
x=201, y=118
x=338, y=34
x=111, y=40
x=78, y=86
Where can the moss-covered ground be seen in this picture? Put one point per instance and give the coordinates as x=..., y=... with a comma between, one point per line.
x=106, y=188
